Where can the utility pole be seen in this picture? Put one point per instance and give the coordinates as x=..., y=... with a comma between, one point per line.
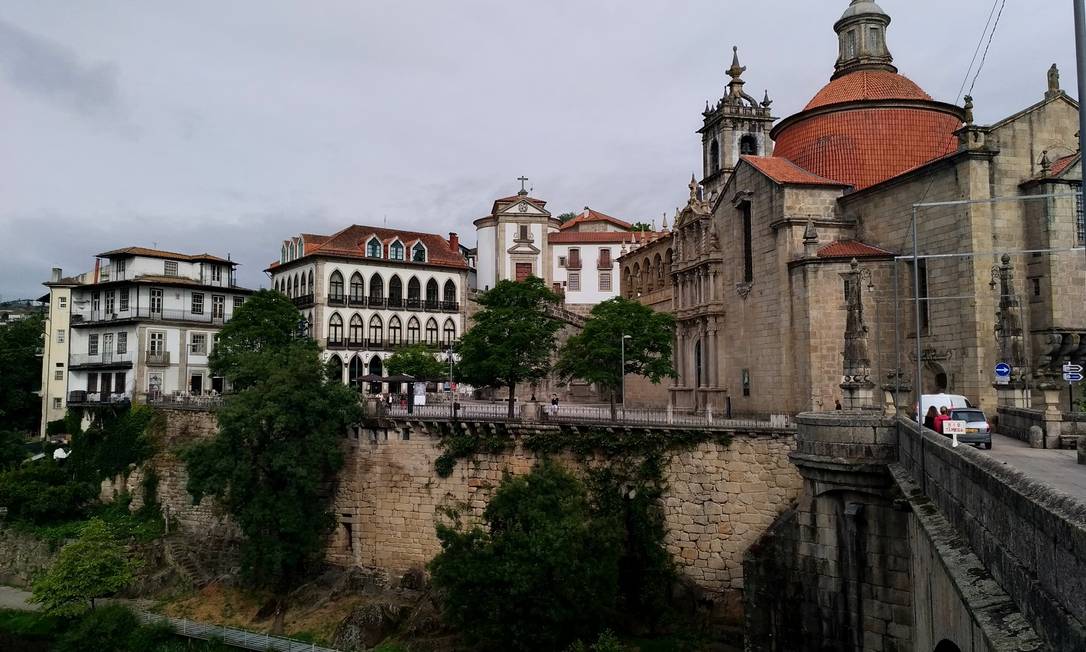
x=1080, y=60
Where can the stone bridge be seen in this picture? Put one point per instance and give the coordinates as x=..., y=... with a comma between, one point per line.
x=845, y=531
x=900, y=541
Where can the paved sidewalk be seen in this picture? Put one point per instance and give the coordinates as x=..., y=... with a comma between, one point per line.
x=1057, y=468
x=13, y=598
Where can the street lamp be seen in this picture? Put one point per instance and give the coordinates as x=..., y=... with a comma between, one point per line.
x=622, y=372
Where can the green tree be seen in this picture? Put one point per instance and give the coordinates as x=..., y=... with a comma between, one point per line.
x=565, y=217
x=20, y=373
x=93, y=566
x=277, y=449
x=266, y=322
x=541, y=574
x=641, y=226
x=12, y=450
x=417, y=361
x=44, y=492
x=512, y=338
x=595, y=354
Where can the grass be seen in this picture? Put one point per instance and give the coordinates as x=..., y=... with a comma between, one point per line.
x=143, y=525
x=28, y=625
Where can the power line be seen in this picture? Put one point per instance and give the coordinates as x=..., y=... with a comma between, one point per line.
x=990, y=37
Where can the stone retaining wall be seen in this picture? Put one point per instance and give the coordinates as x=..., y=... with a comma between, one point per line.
x=23, y=557
x=1030, y=537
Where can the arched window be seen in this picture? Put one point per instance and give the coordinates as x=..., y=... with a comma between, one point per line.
x=395, y=250
x=448, y=335
x=449, y=293
x=431, y=332
x=714, y=157
x=376, y=369
x=413, y=331
x=335, y=368
x=293, y=253
x=377, y=289
x=395, y=292
x=312, y=288
x=295, y=294
x=626, y=283
x=354, y=371
x=418, y=253
x=335, y=329
x=658, y=266
x=947, y=646
x=283, y=254
x=748, y=145
x=636, y=278
x=395, y=332
x=697, y=364
x=373, y=248
x=431, y=294
x=305, y=285
x=376, y=331
x=358, y=289
x=355, y=333
x=414, y=290
x=335, y=286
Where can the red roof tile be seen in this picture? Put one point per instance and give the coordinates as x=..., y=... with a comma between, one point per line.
x=867, y=145
x=852, y=249
x=590, y=215
x=1061, y=165
x=784, y=171
x=351, y=242
x=867, y=85
x=600, y=237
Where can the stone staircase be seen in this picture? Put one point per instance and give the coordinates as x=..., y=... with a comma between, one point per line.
x=180, y=556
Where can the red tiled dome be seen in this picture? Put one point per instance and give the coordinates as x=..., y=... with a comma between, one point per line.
x=867, y=85
x=866, y=127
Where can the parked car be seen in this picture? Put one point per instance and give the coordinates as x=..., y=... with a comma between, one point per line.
x=977, y=430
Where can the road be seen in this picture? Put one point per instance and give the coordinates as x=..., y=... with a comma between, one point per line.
x=1058, y=469
x=13, y=598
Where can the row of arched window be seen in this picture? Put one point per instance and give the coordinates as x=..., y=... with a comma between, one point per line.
x=358, y=331
x=301, y=284
x=653, y=275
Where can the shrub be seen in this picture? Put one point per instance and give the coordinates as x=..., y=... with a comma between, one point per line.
x=94, y=566
x=106, y=628
x=42, y=492
x=542, y=574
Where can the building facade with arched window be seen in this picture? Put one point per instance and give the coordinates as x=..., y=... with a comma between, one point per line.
x=366, y=291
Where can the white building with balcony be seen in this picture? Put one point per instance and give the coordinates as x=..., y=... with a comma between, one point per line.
x=143, y=323
x=366, y=291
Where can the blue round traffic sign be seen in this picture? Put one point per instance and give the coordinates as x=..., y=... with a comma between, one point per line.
x=1003, y=369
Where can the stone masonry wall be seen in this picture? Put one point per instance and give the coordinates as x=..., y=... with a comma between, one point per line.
x=719, y=501
x=1032, y=539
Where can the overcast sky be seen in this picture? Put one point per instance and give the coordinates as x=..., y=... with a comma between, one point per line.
x=228, y=126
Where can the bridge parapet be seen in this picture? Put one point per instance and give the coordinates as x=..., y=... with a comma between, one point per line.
x=1030, y=537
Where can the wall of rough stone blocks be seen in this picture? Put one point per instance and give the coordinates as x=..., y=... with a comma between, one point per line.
x=718, y=502
x=1030, y=538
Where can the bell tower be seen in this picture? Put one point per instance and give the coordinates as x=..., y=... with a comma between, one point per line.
x=737, y=125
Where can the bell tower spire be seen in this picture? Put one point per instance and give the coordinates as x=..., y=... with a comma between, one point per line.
x=862, y=35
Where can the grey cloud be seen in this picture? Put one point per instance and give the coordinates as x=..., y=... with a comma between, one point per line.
x=53, y=72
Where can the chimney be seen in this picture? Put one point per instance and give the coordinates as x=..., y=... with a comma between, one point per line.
x=454, y=241
x=56, y=275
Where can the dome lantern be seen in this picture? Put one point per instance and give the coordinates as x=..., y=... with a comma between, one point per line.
x=862, y=35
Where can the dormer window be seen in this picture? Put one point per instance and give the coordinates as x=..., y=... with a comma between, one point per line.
x=373, y=248
x=283, y=254
x=418, y=253
x=395, y=250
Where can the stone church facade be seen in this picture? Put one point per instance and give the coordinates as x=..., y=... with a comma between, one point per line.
x=762, y=250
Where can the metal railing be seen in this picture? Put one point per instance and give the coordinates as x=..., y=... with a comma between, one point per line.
x=230, y=636
x=184, y=401
x=467, y=411
x=145, y=313
x=80, y=397
x=303, y=301
x=573, y=414
x=103, y=358
x=158, y=358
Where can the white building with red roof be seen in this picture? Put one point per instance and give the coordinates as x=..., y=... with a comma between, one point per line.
x=577, y=258
x=367, y=291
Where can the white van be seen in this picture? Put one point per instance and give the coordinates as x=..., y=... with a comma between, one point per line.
x=948, y=401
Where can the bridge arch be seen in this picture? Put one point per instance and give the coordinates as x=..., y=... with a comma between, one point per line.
x=947, y=646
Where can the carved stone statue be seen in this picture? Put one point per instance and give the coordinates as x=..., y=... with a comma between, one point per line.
x=856, y=380
x=1054, y=78
x=968, y=109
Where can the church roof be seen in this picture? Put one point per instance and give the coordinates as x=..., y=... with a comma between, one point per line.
x=590, y=215
x=786, y=172
x=848, y=249
x=1061, y=165
x=867, y=85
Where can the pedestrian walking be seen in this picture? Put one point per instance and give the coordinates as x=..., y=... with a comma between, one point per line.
x=554, y=404
x=943, y=417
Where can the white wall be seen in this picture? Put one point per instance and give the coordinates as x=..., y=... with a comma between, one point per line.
x=590, y=292
x=486, y=261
